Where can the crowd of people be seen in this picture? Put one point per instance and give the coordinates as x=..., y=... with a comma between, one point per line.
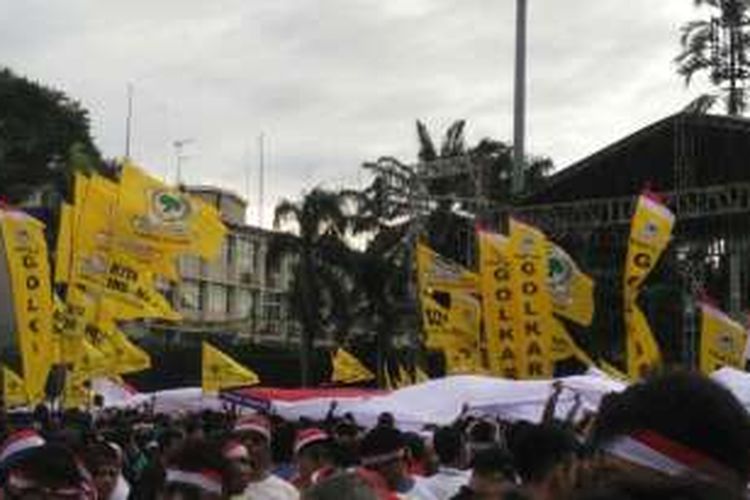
x=674, y=436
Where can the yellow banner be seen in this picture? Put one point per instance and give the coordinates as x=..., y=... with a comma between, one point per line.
x=14, y=389
x=497, y=304
x=28, y=265
x=64, y=247
x=650, y=233
x=572, y=291
x=723, y=341
x=533, y=308
x=643, y=354
x=82, y=316
x=456, y=327
x=435, y=272
x=564, y=347
x=349, y=370
x=219, y=371
x=118, y=278
x=168, y=217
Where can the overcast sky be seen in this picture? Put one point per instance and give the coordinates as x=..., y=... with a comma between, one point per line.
x=332, y=83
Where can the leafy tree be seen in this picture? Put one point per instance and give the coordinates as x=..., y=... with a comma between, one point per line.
x=320, y=290
x=44, y=134
x=719, y=48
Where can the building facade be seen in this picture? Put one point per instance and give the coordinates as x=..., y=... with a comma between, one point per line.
x=243, y=291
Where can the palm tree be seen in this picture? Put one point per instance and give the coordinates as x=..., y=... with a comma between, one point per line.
x=718, y=47
x=319, y=289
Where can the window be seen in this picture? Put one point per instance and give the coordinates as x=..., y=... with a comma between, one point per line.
x=217, y=300
x=245, y=256
x=190, y=296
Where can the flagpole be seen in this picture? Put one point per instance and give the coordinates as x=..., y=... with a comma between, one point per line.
x=519, y=105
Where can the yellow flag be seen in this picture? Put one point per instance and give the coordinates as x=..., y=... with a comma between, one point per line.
x=612, y=371
x=64, y=247
x=119, y=279
x=643, y=352
x=349, y=370
x=460, y=358
x=455, y=328
x=650, y=233
x=77, y=392
x=97, y=227
x=436, y=272
x=168, y=217
x=25, y=252
x=572, y=291
x=564, y=347
x=122, y=356
x=723, y=341
x=497, y=304
x=14, y=389
x=219, y=371
x=533, y=307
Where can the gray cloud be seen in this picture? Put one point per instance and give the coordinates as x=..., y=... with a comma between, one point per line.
x=333, y=83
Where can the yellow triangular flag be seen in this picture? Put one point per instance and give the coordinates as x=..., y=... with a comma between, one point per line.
x=219, y=371
x=349, y=370
x=167, y=217
x=612, y=371
x=14, y=389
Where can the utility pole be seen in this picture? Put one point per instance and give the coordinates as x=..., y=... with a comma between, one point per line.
x=128, y=121
x=261, y=179
x=519, y=105
x=179, y=146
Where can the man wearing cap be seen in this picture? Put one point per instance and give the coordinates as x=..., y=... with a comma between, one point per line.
x=312, y=453
x=384, y=451
x=255, y=433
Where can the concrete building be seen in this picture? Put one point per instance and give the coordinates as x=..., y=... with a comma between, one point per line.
x=243, y=291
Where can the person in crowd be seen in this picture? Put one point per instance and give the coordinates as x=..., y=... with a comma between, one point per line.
x=282, y=447
x=346, y=437
x=677, y=424
x=196, y=472
x=602, y=478
x=355, y=485
x=450, y=446
x=103, y=460
x=158, y=454
x=47, y=471
x=492, y=477
x=237, y=471
x=255, y=433
x=538, y=448
x=483, y=434
x=312, y=451
x=421, y=457
x=384, y=451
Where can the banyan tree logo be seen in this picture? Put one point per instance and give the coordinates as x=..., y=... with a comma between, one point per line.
x=169, y=207
x=560, y=272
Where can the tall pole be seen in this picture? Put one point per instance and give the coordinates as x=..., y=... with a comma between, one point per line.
x=261, y=174
x=519, y=106
x=129, y=121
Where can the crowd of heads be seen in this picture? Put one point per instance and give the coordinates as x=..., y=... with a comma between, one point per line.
x=674, y=436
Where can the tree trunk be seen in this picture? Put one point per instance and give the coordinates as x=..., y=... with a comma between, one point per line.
x=310, y=326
